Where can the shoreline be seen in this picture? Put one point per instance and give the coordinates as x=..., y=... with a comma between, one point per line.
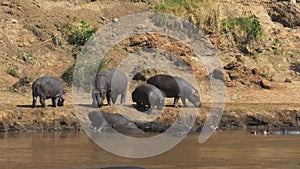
x=235, y=116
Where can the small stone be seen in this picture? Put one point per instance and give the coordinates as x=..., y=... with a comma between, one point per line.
x=288, y=80
x=14, y=21
x=255, y=71
x=265, y=84
x=218, y=73
x=103, y=18
x=6, y=3
x=234, y=75
x=115, y=20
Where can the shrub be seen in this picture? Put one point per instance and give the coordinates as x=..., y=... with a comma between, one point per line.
x=245, y=31
x=77, y=35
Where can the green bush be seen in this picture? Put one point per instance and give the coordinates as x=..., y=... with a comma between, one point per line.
x=77, y=35
x=245, y=31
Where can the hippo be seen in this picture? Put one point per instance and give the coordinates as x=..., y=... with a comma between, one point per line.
x=115, y=121
x=152, y=126
x=48, y=88
x=148, y=95
x=110, y=84
x=176, y=87
x=278, y=131
x=123, y=167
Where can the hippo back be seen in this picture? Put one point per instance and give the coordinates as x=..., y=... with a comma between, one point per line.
x=166, y=83
x=47, y=86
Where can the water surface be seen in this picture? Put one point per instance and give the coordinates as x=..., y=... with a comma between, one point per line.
x=226, y=150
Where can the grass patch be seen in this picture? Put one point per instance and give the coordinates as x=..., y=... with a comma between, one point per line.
x=205, y=14
x=77, y=33
x=245, y=31
x=13, y=71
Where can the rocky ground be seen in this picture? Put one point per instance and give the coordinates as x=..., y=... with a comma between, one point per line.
x=262, y=90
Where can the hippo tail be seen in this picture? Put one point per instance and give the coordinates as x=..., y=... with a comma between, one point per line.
x=34, y=90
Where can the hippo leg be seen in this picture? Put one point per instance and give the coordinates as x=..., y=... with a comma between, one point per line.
x=109, y=98
x=183, y=101
x=138, y=104
x=176, y=101
x=114, y=99
x=34, y=101
x=42, y=101
x=123, y=95
x=55, y=101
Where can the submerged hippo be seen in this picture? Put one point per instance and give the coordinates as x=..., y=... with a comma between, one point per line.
x=48, y=88
x=279, y=131
x=176, y=87
x=148, y=95
x=109, y=84
x=123, y=167
x=115, y=121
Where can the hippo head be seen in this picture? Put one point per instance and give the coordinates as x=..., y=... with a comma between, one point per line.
x=161, y=103
x=61, y=100
x=195, y=98
x=99, y=95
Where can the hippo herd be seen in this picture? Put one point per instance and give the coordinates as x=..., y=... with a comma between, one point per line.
x=278, y=131
x=112, y=83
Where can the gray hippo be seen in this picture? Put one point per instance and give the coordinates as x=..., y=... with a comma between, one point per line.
x=152, y=126
x=148, y=95
x=110, y=84
x=115, y=121
x=278, y=131
x=48, y=88
x=176, y=87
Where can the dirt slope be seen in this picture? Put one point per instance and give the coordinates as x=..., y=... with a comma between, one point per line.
x=27, y=50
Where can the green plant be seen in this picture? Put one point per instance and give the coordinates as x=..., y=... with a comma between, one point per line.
x=103, y=64
x=13, y=72
x=27, y=57
x=245, y=31
x=68, y=75
x=169, y=3
x=77, y=35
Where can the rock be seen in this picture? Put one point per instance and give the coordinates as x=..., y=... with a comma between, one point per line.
x=234, y=75
x=255, y=71
x=6, y=3
x=232, y=65
x=288, y=14
x=115, y=20
x=218, y=73
x=288, y=80
x=265, y=84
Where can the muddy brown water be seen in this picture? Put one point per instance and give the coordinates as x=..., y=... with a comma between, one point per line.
x=226, y=150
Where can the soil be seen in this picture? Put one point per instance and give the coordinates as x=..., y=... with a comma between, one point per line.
x=262, y=91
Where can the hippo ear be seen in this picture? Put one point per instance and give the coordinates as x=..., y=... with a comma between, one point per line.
x=195, y=93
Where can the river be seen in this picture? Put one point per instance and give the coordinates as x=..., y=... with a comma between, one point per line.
x=224, y=150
